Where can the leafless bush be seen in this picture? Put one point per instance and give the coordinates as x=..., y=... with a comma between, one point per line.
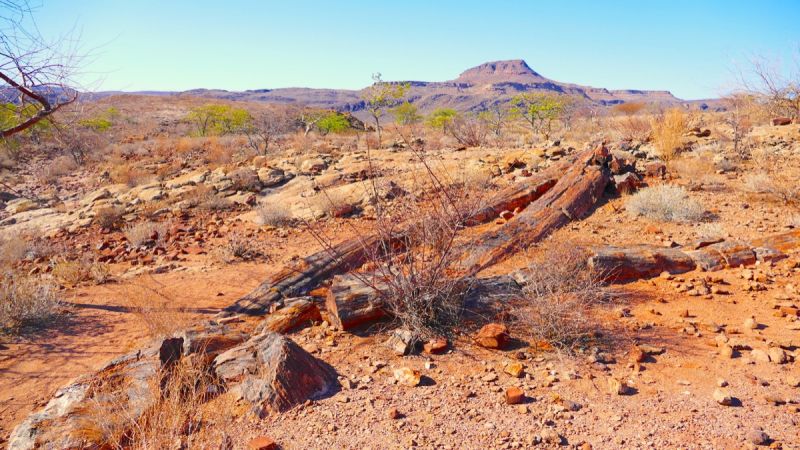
x=109, y=217
x=468, y=130
x=13, y=249
x=27, y=301
x=238, y=247
x=558, y=295
x=62, y=165
x=667, y=203
x=273, y=215
x=414, y=251
x=146, y=233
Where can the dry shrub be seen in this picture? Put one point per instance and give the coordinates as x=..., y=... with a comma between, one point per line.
x=774, y=184
x=146, y=233
x=109, y=217
x=155, y=310
x=668, y=130
x=60, y=166
x=666, y=202
x=27, y=300
x=75, y=272
x=173, y=411
x=13, y=249
x=633, y=128
x=697, y=169
x=130, y=175
x=416, y=271
x=238, y=247
x=469, y=131
x=558, y=294
x=274, y=215
x=217, y=153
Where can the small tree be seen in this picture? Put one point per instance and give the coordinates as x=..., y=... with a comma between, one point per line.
x=737, y=117
x=216, y=119
x=469, y=130
x=406, y=114
x=266, y=127
x=539, y=110
x=308, y=118
x=333, y=122
x=496, y=117
x=381, y=96
x=779, y=87
x=441, y=119
x=35, y=72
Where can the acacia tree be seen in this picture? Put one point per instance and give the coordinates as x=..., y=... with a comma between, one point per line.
x=780, y=87
x=381, y=96
x=496, y=117
x=266, y=127
x=38, y=72
x=539, y=110
x=737, y=116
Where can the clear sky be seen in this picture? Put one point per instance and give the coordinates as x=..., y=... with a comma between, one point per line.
x=691, y=48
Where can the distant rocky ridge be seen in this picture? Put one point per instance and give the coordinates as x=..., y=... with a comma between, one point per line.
x=474, y=90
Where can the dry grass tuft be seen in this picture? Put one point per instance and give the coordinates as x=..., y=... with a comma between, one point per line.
x=274, y=215
x=146, y=233
x=27, y=301
x=109, y=217
x=667, y=203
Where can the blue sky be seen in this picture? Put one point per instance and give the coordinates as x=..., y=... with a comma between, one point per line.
x=691, y=48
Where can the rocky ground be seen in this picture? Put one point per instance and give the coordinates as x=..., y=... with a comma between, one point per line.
x=695, y=360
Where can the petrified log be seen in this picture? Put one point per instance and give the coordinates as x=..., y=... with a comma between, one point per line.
x=723, y=254
x=351, y=254
x=640, y=261
x=644, y=261
x=296, y=313
x=274, y=373
x=354, y=299
x=575, y=193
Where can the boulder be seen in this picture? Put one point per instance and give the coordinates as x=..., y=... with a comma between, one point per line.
x=492, y=335
x=275, y=374
x=627, y=182
x=272, y=176
x=781, y=121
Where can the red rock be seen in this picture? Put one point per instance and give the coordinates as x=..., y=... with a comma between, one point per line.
x=655, y=169
x=262, y=443
x=435, y=346
x=493, y=335
x=514, y=396
x=393, y=413
x=781, y=121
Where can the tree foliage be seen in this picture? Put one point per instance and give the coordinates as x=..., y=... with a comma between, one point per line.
x=381, y=96
x=215, y=120
x=333, y=122
x=539, y=110
x=441, y=118
x=406, y=113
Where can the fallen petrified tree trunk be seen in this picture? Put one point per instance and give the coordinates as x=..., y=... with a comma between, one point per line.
x=355, y=299
x=295, y=314
x=575, y=193
x=351, y=254
x=621, y=264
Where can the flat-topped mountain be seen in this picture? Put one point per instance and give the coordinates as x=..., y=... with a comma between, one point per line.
x=474, y=90
x=515, y=70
